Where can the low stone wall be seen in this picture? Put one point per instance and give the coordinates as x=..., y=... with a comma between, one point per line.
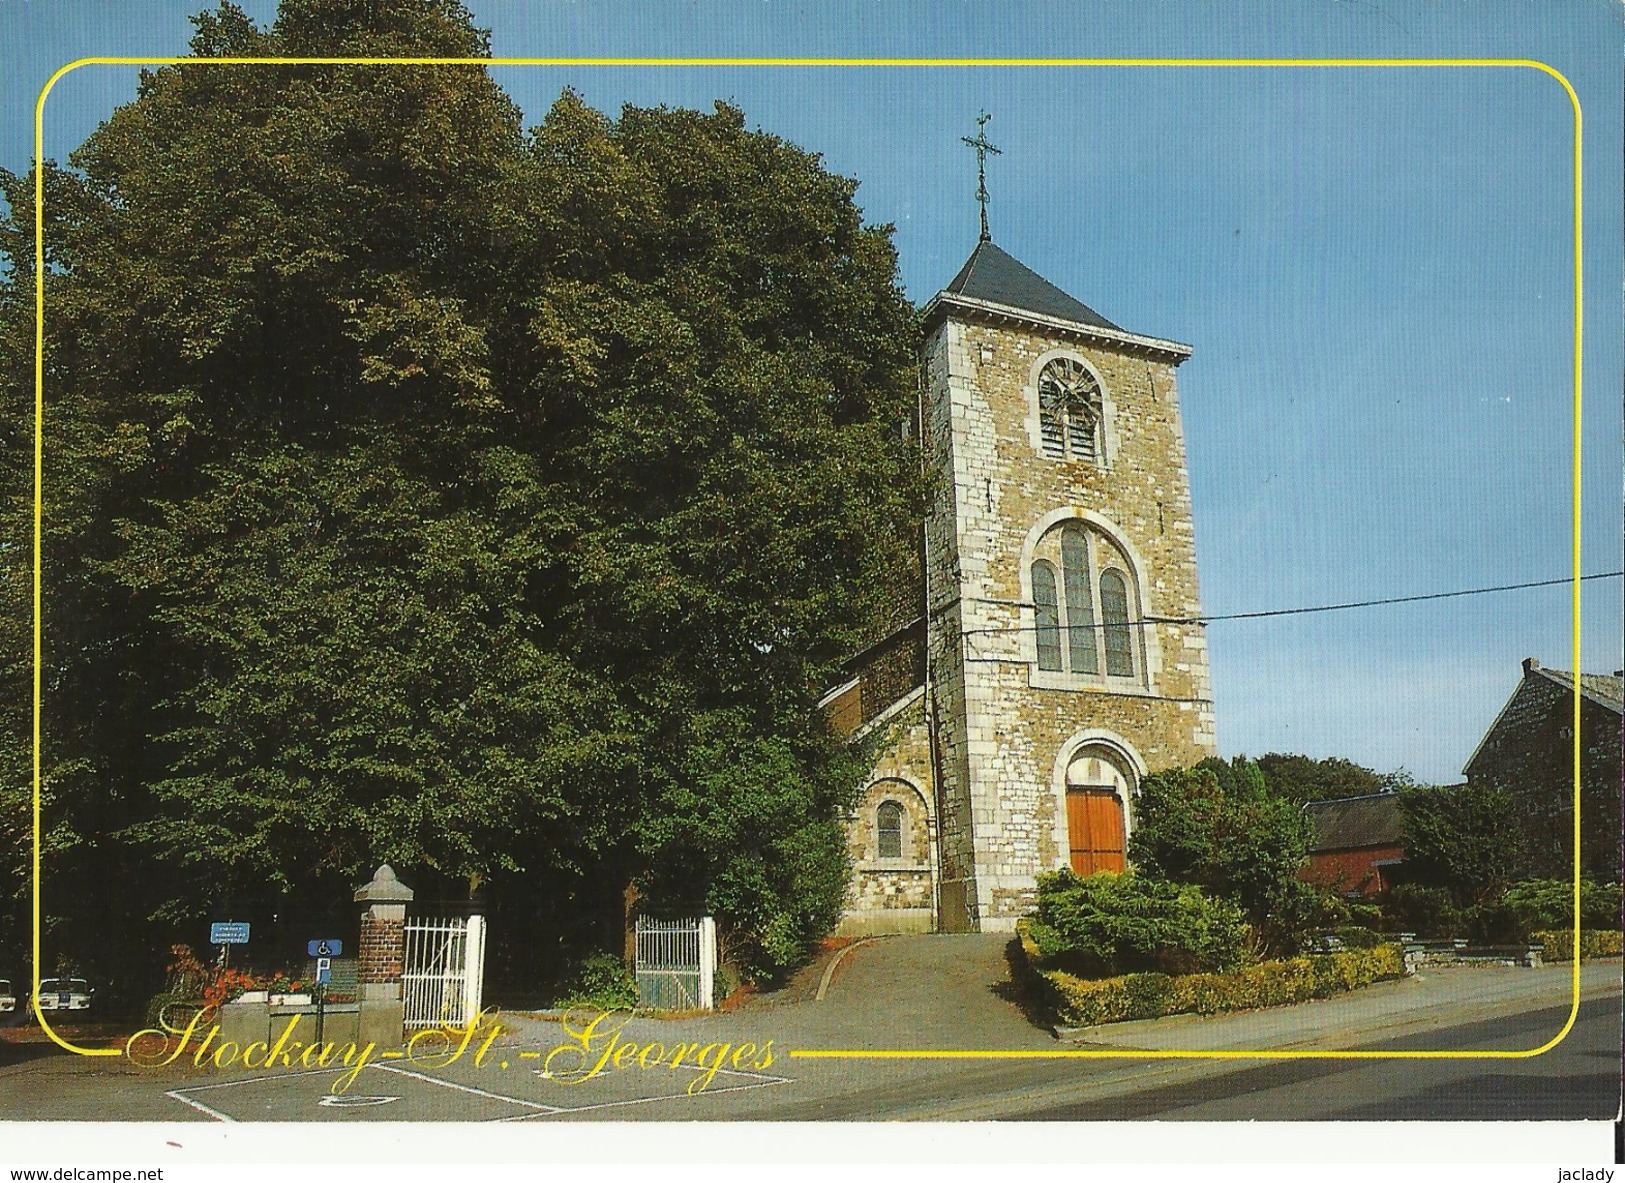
x=246, y=1023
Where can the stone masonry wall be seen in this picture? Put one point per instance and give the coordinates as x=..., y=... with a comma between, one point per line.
x=1529, y=752
x=941, y=437
x=883, y=890
x=1002, y=735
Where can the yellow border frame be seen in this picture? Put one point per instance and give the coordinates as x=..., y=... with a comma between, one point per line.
x=1253, y=63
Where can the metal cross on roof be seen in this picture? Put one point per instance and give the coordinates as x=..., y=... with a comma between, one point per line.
x=982, y=149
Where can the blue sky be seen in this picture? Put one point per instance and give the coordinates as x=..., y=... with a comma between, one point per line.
x=1374, y=267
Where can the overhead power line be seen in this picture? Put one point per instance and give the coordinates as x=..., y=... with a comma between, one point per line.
x=1449, y=595
x=1446, y=595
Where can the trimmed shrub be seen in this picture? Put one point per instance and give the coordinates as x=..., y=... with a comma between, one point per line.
x=1356, y=936
x=1085, y=1003
x=1218, y=825
x=1426, y=911
x=1107, y=925
x=1366, y=915
x=1593, y=943
x=1548, y=904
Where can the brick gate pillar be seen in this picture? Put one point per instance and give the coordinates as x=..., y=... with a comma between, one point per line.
x=382, y=957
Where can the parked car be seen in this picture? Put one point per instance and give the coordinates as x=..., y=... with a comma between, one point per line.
x=8, y=1000
x=63, y=994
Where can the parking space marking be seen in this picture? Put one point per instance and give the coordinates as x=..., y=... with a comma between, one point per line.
x=180, y=1094
x=759, y=1080
x=200, y=1106
x=753, y=1080
x=466, y=1088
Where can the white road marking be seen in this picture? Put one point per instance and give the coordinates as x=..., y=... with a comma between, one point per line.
x=759, y=1079
x=231, y=1084
x=344, y=1101
x=466, y=1088
x=200, y=1106
x=180, y=1094
x=541, y=1109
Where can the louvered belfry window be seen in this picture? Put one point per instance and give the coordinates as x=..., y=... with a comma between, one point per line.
x=1069, y=411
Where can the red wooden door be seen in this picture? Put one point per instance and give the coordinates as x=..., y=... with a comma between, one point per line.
x=1094, y=823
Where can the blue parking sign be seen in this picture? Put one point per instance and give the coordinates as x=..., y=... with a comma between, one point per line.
x=327, y=948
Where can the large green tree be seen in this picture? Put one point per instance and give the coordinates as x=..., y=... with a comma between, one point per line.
x=1467, y=839
x=421, y=488
x=1303, y=778
x=1218, y=825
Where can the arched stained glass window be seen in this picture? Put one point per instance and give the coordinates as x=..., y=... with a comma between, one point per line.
x=1115, y=616
x=889, y=829
x=1080, y=604
x=1069, y=410
x=1047, y=609
x=1087, y=605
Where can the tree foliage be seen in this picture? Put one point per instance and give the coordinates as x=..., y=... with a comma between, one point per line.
x=1303, y=778
x=1538, y=904
x=1218, y=826
x=425, y=489
x=1467, y=839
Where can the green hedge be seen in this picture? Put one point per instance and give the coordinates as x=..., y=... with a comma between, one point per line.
x=1082, y=1003
x=1593, y=943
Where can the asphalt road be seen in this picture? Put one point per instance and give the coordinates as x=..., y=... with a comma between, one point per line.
x=1578, y=1079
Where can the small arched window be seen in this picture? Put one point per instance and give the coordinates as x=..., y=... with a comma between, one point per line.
x=1069, y=411
x=1046, y=607
x=1114, y=614
x=889, y=829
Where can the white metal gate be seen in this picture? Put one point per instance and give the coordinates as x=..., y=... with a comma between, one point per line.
x=444, y=971
x=676, y=963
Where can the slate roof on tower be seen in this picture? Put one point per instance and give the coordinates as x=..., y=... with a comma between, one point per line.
x=993, y=275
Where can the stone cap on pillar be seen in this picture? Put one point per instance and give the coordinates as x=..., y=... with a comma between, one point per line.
x=385, y=888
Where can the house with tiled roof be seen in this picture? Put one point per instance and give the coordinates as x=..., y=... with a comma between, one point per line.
x=1358, y=843
x=1529, y=752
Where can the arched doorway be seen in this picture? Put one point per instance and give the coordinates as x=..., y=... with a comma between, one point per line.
x=1097, y=786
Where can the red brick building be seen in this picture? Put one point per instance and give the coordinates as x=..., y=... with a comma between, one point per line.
x=1358, y=844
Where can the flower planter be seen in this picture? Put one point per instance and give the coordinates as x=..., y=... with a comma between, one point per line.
x=252, y=996
x=290, y=1000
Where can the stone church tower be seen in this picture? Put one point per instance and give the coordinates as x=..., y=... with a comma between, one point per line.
x=1054, y=666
